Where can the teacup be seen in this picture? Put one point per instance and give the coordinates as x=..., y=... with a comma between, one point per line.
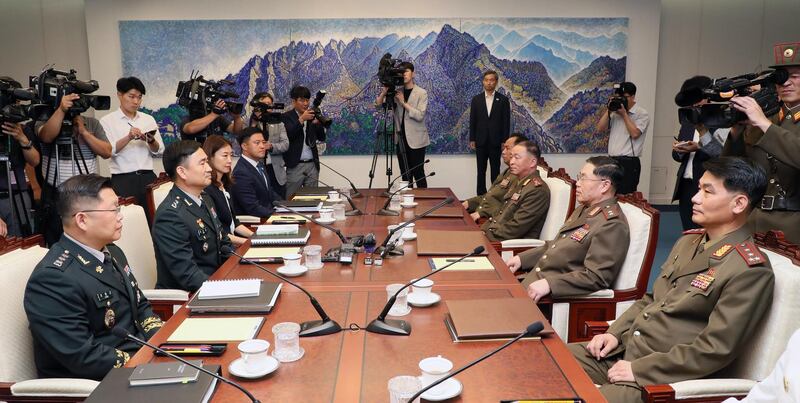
x=400, y=185
x=422, y=287
x=408, y=198
x=326, y=213
x=408, y=230
x=254, y=354
x=433, y=369
x=333, y=195
x=292, y=261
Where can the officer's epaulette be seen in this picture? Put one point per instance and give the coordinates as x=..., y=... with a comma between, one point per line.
x=61, y=261
x=694, y=231
x=175, y=202
x=750, y=253
x=611, y=211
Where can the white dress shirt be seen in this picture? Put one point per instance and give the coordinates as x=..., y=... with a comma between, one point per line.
x=489, y=102
x=136, y=155
x=254, y=163
x=620, y=142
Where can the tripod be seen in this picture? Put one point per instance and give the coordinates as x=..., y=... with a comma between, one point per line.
x=386, y=136
x=15, y=198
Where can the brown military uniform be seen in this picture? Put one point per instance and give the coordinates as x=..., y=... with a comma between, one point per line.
x=704, y=308
x=777, y=152
x=523, y=211
x=490, y=202
x=587, y=253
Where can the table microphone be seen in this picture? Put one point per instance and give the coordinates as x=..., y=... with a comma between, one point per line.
x=385, y=211
x=533, y=329
x=125, y=335
x=405, y=224
x=406, y=173
x=356, y=193
x=335, y=230
x=307, y=329
x=354, y=210
x=400, y=327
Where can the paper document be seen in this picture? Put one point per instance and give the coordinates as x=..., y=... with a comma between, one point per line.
x=470, y=263
x=216, y=329
x=267, y=252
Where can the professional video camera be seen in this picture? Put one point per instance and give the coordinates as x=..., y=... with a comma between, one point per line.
x=390, y=74
x=207, y=93
x=618, y=100
x=51, y=85
x=13, y=112
x=719, y=113
x=326, y=121
x=267, y=113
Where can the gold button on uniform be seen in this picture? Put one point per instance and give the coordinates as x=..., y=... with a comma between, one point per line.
x=646, y=315
x=637, y=333
x=544, y=256
x=538, y=269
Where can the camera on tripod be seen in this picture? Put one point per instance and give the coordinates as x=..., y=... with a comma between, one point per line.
x=618, y=100
x=390, y=73
x=51, y=85
x=267, y=113
x=718, y=112
x=206, y=93
x=315, y=107
x=11, y=110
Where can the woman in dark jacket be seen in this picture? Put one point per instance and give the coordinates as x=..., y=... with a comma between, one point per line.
x=219, y=152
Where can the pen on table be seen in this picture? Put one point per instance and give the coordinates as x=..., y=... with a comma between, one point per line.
x=456, y=260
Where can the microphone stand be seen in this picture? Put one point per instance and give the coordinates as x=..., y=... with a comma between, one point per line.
x=123, y=334
x=398, y=327
x=387, y=249
x=354, y=210
x=389, y=186
x=385, y=210
x=344, y=253
x=310, y=328
x=356, y=193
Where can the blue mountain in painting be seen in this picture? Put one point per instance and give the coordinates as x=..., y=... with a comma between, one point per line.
x=556, y=66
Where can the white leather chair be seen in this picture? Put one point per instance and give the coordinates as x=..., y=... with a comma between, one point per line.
x=157, y=192
x=18, y=380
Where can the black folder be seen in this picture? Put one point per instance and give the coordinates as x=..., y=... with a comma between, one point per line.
x=114, y=388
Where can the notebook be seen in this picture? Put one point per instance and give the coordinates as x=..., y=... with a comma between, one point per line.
x=277, y=229
x=164, y=373
x=221, y=329
x=470, y=263
x=497, y=318
x=310, y=197
x=323, y=190
x=260, y=304
x=248, y=219
x=286, y=218
x=269, y=254
x=216, y=289
x=115, y=388
x=302, y=206
x=300, y=238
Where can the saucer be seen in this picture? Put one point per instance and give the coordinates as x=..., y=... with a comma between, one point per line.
x=237, y=368
x=409, y=237
x=415, y=300
x=292, y=273
x=392, y=312
x=450, y=389
x=409, y=205
x=326, y=221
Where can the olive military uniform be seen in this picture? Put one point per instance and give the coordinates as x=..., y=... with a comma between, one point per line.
x=705, y=306
x=587, y=253
x=188, y=239
x=490, y=202
x=73, y=300
x=777, y=152
x=523, y=211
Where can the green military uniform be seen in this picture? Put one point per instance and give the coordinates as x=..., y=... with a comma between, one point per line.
x=523, y=211
x=587, y=253
x=704, y=308
x=188, y=238
x=777, y=152
x=73, y=300
x=490, y=202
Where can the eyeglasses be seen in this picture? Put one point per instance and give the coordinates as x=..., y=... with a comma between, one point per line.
x=117, y=210
x=582, y=178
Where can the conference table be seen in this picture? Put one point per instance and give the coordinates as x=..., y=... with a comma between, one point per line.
x=355, y=366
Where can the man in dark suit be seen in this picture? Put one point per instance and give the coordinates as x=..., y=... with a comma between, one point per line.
x=252, y=192
x=304, y=130
x=489, y=126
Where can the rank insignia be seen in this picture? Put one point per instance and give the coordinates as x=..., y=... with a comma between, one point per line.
x=99, y=270
x=110, y=317
x=515, y=197
x=750, y=253
x=580, y=233
x=703, y=280
x=205, y=247
x=83, y=260
x=722, y=251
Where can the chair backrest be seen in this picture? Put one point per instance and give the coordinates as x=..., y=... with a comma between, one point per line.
x=562, y=202
x=137, y=244
x=157, y=192
x=782, y=319
x=643, y=222
x=16, y=266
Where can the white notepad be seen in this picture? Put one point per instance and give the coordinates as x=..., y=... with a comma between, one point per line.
x=215, y=289
x=203, y=330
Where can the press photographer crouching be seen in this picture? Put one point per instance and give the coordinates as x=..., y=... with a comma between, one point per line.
x=771, y=137
x=265, y=115
x=626, y=122
x=205, y=100
x=16, y=149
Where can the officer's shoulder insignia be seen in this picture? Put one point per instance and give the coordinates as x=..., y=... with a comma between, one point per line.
x=694, y=231
x=750, y=253
x=537, y=182
x=175, y=202
x=611, y=211
x=722, y=251
x=61, y=259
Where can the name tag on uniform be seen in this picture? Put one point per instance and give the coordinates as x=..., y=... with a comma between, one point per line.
x=580, y=233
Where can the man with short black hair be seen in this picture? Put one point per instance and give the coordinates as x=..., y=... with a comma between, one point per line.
x=489, y=203
x=304, y=131
x=201, y=123
x=188, y=237
x=705, y=305
x=252, y=193
x=135, y=140
x=277, y=142
x=84, y=287
x=489, y=125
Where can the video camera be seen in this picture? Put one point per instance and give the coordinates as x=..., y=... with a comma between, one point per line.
x=207, y=92
x=267, y=113
x=719, y=113
x=390, y=74
x=315, y=107
x=51, y=85
x=13, y=112
x=618, y=100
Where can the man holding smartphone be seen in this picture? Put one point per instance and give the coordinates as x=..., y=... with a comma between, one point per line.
x=135, y=140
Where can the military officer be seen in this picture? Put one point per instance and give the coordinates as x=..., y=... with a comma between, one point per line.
x=525, y=205
x=590, y=247
x=774, y=144
x=712, y=292
x=782, y=385
x=489, y=203
x=187, y=235
x=84, y=287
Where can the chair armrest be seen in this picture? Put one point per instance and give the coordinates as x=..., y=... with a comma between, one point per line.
x=67, y=387
x=521, y=243
x=164, y=295
x=606, y=293
x=593, y=328
x=716, y=389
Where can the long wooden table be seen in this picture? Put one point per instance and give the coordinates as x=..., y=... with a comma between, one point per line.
x=355, y=366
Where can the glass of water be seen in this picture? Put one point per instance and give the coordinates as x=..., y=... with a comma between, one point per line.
x=287, y=342
x=400, y=306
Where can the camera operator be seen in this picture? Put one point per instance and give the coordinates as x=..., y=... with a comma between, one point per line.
x=277, y=141
x=135, y=140
x=409, y=119
x=304, y=130
x=19, y=138
x=201, y=124
x=773, y=142
x=627, y=124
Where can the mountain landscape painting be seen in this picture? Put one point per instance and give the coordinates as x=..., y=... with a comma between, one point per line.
x=557, y=72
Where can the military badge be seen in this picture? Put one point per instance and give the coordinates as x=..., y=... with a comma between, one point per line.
x=515, y=197
x=594, y=211
x=504, y=183
x=200, y=224
x=205, y=247
x=110, y=317
x=722, y=251
x=83, y=260
x=703, y=280
x=526, y=182
x=99, y=270
x=127, y=269
x=750, y=253
x=580, y=233
x=213, y=212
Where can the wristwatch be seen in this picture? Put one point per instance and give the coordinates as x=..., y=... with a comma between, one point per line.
x=27, y=146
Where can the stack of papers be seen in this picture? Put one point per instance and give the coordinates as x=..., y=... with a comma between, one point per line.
x=216, y=289
x=277, y=229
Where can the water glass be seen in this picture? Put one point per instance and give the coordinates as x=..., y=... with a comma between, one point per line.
x=287, y=342
x=402, y=387
x=338, y=212
x=400, y=306
x=313, y=255
x=394, y=204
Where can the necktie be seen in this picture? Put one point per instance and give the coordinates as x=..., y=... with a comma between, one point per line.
x=263, y=170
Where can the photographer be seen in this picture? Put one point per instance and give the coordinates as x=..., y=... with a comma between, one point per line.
x=773, y=142
x=409, y=121
x=201, y=124
x=277, y=140
x=627, y=124
x=304, y=130
x=135, y=140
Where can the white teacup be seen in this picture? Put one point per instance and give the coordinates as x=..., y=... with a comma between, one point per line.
x=333, y=195
x=254, y=354
x=292, y=260
x=433, y=369
x=400, y=185
x=326, y=213
x=397, y=237
x=408, y=230
x=408, y=198
x=422, y=287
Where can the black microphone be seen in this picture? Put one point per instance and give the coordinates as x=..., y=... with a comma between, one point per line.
x=307, y=329
x=405, y=224
x=354, y=210
x=335, y=230
x=385, y=211
x=404, y=174
x=533, y=329
x=400, y=327
x=123, y=334
x=356, y=193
